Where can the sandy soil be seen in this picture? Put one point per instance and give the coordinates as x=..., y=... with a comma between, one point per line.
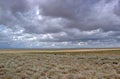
x=55, y=66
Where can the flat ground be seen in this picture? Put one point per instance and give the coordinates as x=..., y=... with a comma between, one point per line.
x=60, y=64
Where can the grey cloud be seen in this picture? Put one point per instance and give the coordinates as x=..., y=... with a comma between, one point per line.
x=60, y=21
x=14, y=5
x=9, y=10
x=70, y=9
x=85, y=15
x=117, y=9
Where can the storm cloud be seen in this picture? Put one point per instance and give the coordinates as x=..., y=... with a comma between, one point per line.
x=59, y=23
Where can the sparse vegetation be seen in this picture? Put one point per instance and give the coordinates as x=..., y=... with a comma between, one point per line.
x=59, y=65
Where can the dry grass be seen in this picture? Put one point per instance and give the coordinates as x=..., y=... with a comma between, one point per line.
x=104, y=64
x=57, y=51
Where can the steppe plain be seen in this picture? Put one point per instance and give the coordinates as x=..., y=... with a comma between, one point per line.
x=60, y=64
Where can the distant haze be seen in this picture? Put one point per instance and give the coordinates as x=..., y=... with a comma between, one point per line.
x=59, y=23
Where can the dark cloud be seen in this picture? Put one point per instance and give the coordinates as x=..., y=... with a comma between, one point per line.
x=72, y=23
x=84, y=14
x=117, y=9
x=70, y=9
x=15, y=5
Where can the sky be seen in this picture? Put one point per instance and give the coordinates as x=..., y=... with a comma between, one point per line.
x=59, y=23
